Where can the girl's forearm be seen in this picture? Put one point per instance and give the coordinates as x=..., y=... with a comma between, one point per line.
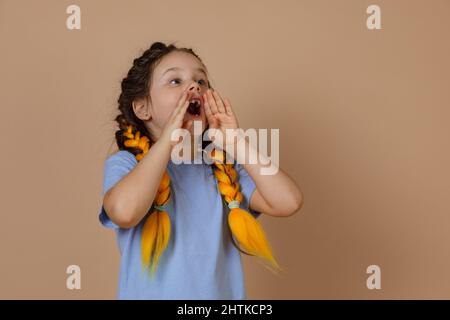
x=130, y=199
x=279, y=191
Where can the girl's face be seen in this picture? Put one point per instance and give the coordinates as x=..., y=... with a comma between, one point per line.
x=174, y=74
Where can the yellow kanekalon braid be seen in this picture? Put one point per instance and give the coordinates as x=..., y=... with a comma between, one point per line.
x=244, y=226
x=156, y=229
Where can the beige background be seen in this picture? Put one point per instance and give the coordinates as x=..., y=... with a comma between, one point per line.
x=363, y=118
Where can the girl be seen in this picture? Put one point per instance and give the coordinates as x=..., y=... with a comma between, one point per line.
x=180, y=227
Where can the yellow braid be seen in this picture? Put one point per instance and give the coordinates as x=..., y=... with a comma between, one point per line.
x=156, y=229
x=243, y=225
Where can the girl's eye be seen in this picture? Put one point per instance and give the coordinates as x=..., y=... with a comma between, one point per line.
x=174, y=80
x=202, y=82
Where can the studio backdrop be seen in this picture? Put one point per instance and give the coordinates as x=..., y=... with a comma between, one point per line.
x=359, y=91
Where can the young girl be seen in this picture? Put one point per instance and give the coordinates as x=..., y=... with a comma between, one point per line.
x=181, y=227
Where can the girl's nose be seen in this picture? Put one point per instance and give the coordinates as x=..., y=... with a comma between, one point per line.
x=194, y=87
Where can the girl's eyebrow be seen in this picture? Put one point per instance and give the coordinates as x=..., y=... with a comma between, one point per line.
x=177, y=68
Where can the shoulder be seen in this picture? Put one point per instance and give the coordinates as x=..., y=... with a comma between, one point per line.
x=122, y=157
x=117, y=166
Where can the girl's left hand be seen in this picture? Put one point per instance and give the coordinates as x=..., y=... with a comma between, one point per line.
x=219, y=114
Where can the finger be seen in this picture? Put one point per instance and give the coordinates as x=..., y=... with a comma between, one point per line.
x=179, y=116
x=186, y=97
x=207, y=107
x=209, y=116
x=180, y=103
x=184, y=103
x=228, y=108
x=212, y=102
x=219, y=102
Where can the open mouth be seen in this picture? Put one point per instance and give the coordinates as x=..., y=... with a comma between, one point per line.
x=194, y=107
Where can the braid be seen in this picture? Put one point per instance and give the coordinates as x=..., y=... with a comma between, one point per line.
x=156, y=229
x=243, y=225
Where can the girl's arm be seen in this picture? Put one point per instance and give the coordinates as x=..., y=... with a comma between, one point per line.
x=275, y=195
x=130, y=199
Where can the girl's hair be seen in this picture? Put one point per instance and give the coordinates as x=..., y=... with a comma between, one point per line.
x=134, y=137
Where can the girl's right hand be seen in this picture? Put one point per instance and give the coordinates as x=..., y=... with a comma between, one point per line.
x=176, y=119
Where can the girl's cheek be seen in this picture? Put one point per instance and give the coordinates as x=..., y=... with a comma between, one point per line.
x=166, y=118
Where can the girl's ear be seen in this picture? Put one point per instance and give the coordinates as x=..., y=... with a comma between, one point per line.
x=142, y=109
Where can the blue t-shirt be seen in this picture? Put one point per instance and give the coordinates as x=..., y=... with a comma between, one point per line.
x=200, y=261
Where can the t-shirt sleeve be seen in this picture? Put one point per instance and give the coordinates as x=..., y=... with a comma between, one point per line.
x=248, y=186
x=115, y=168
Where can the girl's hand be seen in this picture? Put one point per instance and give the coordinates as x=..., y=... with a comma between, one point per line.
x=220, y=116
x=176, y=119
